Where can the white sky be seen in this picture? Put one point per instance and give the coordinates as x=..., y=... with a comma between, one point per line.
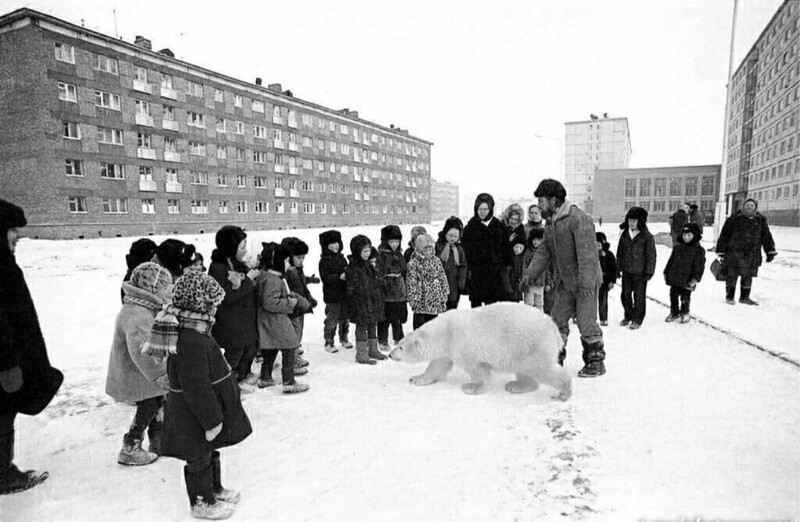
x=478, y=79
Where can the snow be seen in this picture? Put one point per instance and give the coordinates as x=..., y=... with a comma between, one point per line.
x=689, y=421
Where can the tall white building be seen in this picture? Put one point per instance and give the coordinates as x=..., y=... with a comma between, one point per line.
x=591, y=145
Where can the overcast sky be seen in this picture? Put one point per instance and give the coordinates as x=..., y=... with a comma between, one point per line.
x=478, y=79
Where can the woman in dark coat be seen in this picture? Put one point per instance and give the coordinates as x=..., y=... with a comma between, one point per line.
x=743, y=236
x=27, y=381
x=203, y=411
x=235, y=329
x=488, y=254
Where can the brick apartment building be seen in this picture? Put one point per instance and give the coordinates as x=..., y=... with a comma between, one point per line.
x=100, y=137
x=444, y=200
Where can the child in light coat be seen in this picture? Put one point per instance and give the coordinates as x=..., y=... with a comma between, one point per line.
x=534, y=294
x=427, y=283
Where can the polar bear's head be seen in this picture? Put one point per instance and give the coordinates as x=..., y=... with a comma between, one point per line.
x=409, y=349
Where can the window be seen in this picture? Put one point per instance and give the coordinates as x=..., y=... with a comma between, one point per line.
x=239, y=127
x=197, y=149
x=195, y=119
x=194, y=89
x=148, y=206
x=257, y=106
x=259, y=131
x=644, y=188
x=261, y=182
x=71, y=130
x=73, y=167
x=115, y=205
x=673, y=205
x=169, y=113
x=630, y=188
x=307, y=185
x=171, y=175
x=145, y=173
x=241, y=207
x=237, y=100
x=659, y=206
x=293, y=207
x=323, y=208
x=199, y=178
x=241, y=181
x=199, y=206
x=222, y=180
x=691, y=187
x=111, y=171
x=106, y=100
x=659, y=188
x=143, y=141
x=112, y=136
x=261, y=207
x=238, y=154
x=223, y=207
x=77, y=204
x=65, y=53
x=106, y=64
x=166, y=83
x=218, y=96
x=143, y=108
x=67, y=92
x=170, y=145
x=675, y=187
x=279, y=183
x=140, y=74
x=708, y=186
x=343, y=129
x=276, y=111
x=222, y=152
x=279, y=207
x=221, y=126
x=173, y=206
x=259, y=156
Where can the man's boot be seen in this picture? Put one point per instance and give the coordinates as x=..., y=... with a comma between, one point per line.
x=729, y=293
x=362, y=353
x=593, y=356
x=745, y=298
x=372, y=350
x=200, y=487
x=12, y=480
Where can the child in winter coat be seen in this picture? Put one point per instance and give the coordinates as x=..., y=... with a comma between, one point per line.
x=365, y=300
x=521, y=257
x=133, y=376
x=392, y=268
x=636, y=261
x=533, y=295
x=298, y=284
x=427, y=283
x=608, y=264
x=415, y=232
x=684, y=270
x=454, y=261
x=203, y=411
x=142, y=250
x=275, y=330
x=332, y=265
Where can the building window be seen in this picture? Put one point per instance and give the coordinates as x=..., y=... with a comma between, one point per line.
x=241, y=207
x=644, y=188
x=111, y=136
x=241, y=181
x=67, y=92
x=257, y=106
x=708, y=186
x=148, y=206
x=170, y=145
x=659, y=188
x=222, y=152
x=65, y=53
x=199, y=206
x=221, y=126
x=197, y=149
x=261, y=207
x=278, y=207
x=169, y=113
x=260, y=182
x=645, y=205
x=77, y=204
x=73, y=167
x=194, y=89
x=239, y=127
x=223, y=207
x=323, y=208
x=237, y=100
x=218, y=96
x=194, y=119
x=238, y=154
x=659, y=206
x=145, y=173
x=107, y=100
x=259, y=156
x=106, y=64
x=171, y=175
x=259, y=131
x=115, y=205
x=173, y=206
x=308, y=208
x=630, y=188
x=71, y=130
x=222, y=180
x=144, y=141
x=166, y=82
x=140, y=74
x=111, y=171
x=691, y=187
x=675, y=187
x=143, y=108
x=199, y=178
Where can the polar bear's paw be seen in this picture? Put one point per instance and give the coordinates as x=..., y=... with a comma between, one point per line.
x=422, y=380
x=523, y=384
x=473, y=388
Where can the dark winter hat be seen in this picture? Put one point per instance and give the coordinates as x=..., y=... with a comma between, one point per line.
x=357, y=244
x=151, y=276
x=296, y=246
x=750, y=199
x=329, y=237
x=551, y=188
x=373, y=253
x=169, y=255
x=484, y=198
x=637, y=213
x=535, y=233
x=451, y=223
x=189, y=256
x=227, y=240
x=142, y=250
x=693, y=206
x=273, y=257
x=601, y=238
x=390, y=232
x=197, y=292
x=518, y=239
x=694, y=229
x=11, y=216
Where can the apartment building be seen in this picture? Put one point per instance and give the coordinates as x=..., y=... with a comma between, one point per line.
x=444, y=200
x=103, y=137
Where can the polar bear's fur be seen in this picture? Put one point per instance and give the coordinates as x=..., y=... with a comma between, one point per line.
x=507, y=337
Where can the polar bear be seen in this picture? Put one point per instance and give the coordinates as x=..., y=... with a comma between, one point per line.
x=507, y=337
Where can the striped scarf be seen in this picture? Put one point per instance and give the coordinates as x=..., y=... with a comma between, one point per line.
x=163, y=337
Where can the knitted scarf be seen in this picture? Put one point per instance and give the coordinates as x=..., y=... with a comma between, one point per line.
x=445, y=254
x=163, y=337
x=150, y=305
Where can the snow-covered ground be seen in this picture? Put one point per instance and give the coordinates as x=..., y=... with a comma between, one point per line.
x=689, y=421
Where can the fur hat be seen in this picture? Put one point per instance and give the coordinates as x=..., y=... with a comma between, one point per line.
x=484, y=198
x=373, y=253
x=189, y=256
x=227, y=240
x=535, y=233
x=197, y=292
x=142, y=250
x=150, y=276
x=357, y=244
x=601, y=238
x=273, y=257
x=451, y=223
x=551, y=188
x=518, y=239
x=637, y=213
x=329, y=237
x=694, y=229
x=169, y=255
x=296, y=246
x=390, y=232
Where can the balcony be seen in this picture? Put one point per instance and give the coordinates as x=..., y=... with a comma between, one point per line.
x=366, y=197
x=148, y=185
x=294, y=170
x=171, y=125
x=278, y=144
x=357, y=196
x=293, y=146
x=174, y=187
x=143, y=119
x=279, y=168
x=292, y=123
x=294, y=193
x=172, y=94
x=293, y=210
x=142, y=87
x=145, y=153
x=172, y=156
x=277, y=119
x=280, y=193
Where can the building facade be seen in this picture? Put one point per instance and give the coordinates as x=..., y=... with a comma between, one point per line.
x=106, y=138
x=762, y=150
x=444, y=200
x=660, y=191
x=598, y=143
